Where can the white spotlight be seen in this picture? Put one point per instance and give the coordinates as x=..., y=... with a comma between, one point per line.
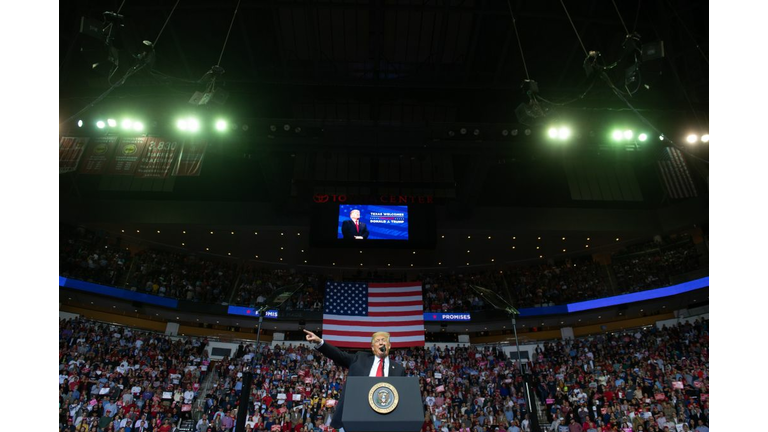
x=193, y=124
x=138, y=126
x=692, y=138
x=112, y=122
x=564, y=133
x=552, y=132
x=705, y=138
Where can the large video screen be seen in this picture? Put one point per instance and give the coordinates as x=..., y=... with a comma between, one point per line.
x=360, y=222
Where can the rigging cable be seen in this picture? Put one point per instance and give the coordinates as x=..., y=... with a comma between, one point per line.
x=514, y=24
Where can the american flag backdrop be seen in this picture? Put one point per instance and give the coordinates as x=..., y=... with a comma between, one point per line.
x=353, y=311
x=675, y=174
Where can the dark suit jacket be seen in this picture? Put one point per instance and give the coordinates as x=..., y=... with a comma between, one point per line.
x=349, y=231
x=359, y=364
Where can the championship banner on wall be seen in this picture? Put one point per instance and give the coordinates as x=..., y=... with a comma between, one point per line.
x=158, y=158
x=191, y=159
x=127, y=155
x=70, y=151
x=97, y=154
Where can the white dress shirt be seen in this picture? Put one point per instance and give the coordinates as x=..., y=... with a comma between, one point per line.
x=376, y=366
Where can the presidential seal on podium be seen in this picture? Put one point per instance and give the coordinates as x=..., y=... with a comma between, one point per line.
x=383, y=398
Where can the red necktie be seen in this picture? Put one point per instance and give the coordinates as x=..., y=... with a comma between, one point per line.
x=357, y=225
x=380, y=370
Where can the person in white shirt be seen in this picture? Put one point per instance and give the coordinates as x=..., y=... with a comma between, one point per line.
x=141, y=424
x=189, y=395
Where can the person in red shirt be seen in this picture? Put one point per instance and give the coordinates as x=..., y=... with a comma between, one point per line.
x=166, y=427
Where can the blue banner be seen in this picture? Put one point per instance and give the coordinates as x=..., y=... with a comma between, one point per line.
x=447, y=316
x=117, y=292
x=249, y=311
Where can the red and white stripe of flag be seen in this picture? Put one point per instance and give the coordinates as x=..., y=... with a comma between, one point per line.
x=396, y=308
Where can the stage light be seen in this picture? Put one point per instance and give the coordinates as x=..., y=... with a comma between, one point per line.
x=691, y=139
x=552, y=132
x=181, y=124
x=100, y=124
x=221, y=125
x=527, y=132
x=476, y=132
x=705, y=138
x=617, y=135
x=79, y=123
x=463, y=131
x=193, y=124
x=273, y=128
x=286, y=127
x=514, y=132
x=505, y=132
x=628, y=134
x=564, y=133
x=111, y=122
x=138, y=126
x=642, y=137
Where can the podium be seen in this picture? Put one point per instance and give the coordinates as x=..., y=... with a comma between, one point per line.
x=382, y=404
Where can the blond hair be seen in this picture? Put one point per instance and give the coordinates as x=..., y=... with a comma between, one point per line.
x=377, y=334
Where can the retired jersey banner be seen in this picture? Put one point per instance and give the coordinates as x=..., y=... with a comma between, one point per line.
x=70, y=151
x=97, y=155
x=127, y=155
x=191, y=159
x=159, y=157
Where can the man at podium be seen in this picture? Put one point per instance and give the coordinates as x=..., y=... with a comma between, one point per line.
x=376, y=363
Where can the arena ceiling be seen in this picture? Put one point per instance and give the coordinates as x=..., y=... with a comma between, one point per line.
x=398, y=78
x=376, y=63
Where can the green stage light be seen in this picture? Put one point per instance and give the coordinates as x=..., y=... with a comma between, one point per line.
x=617, y=135
x=181, y=124
x=100, y=124
x=552, y=132
x=138, y=126
x=221, y=125
x=564, y=133
x=193, y=124
x=642, y=137
x=112, y=122
x=126, y=124
x=628, y=134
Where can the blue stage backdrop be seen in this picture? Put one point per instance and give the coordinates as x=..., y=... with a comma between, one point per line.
x=384, y=222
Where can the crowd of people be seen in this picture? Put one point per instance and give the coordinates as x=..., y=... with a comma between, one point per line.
x=117, y=379
x=89, y=257
x=654, y=265
x=182, y=276
x=257, y=283
x=643, y=380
